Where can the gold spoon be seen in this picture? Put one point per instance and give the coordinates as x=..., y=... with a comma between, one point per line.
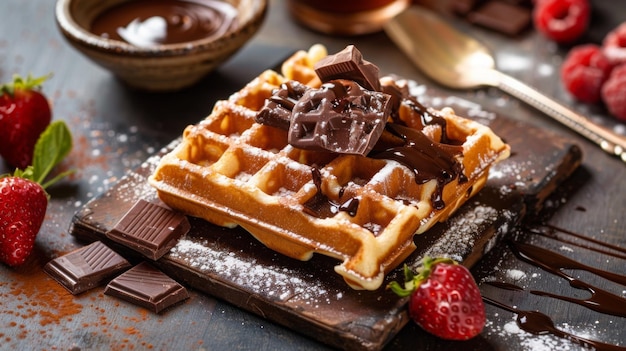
x=458, y=61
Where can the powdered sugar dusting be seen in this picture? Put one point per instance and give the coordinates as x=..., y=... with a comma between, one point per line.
x=531, y=342
x=276, y=281
x=461, y=230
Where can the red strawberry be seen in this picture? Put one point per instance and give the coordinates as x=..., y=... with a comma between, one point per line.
x=444, y=299
x=23, y=200
x=24, y=205
x=24, y=115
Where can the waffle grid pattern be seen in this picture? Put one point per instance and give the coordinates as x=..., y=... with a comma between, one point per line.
x=232, y=171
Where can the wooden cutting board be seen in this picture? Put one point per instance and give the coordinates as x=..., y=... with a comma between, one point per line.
x=309, y=297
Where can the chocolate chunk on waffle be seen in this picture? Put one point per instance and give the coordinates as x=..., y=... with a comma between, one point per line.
x=363, y=210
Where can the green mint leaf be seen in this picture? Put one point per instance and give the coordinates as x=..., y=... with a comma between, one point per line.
x=51, y=148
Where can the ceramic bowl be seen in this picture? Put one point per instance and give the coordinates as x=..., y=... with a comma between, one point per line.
x=163, y=67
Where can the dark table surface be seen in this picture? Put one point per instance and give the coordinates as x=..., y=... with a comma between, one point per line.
x=115, y=129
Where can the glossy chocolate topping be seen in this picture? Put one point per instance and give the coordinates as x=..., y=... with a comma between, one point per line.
x=277, y=109
x=147, y=23
x=322, y=206
x=427, y=159
x=350, y=112
x=420, y=115
x=340, y=117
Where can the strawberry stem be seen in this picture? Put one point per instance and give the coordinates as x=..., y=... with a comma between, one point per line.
x=412, y=281
x=19, y=82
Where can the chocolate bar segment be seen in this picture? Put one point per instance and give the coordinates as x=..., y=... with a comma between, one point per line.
x=276, y=111
x=146, y=286
x=86, y=268
x=502, y=17
x=150, y=229
x=339, y=117
x=348, y=64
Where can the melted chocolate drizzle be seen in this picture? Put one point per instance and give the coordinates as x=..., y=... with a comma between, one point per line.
x=322, y=206
x=427, y=159
x=429, y=117
x=401, y=96
x=601, y=301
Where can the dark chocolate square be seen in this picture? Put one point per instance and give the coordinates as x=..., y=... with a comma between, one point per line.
x=150, y=229
x=146, y=286
x=502, y=17
x=86, y=268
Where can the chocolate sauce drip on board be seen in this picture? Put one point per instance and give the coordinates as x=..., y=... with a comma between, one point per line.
x=538, y=323
x=601, y=301
x=426, y=158
x=550, y=231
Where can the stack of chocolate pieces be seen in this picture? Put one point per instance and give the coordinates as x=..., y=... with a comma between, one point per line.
x=147, y=228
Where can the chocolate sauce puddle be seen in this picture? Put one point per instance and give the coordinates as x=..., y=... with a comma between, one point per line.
x=147, y=23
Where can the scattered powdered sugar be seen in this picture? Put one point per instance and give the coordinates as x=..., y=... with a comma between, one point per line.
x=460, y=234
x=243, y=176
x=531, y=342
x=266, y=279
x=515, y=274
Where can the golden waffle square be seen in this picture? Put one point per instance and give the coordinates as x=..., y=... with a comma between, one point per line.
x=231, y=170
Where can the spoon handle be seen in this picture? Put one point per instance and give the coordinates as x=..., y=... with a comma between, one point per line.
x=609, y=141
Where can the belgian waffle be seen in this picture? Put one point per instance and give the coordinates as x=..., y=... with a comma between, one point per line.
x=363, y=211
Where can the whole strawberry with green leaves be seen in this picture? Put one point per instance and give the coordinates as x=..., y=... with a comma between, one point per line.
x=444, y=299
x=24, y=115
x=23, y=199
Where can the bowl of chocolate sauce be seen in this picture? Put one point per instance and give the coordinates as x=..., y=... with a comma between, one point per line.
x=159, y=45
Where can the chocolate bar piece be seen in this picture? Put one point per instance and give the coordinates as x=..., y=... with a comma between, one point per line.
x=150, y=229
x=339, y=117
x=348, y=64
x=146, y=286
x=276, y=111
x=503, y=17
x=86, y=268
